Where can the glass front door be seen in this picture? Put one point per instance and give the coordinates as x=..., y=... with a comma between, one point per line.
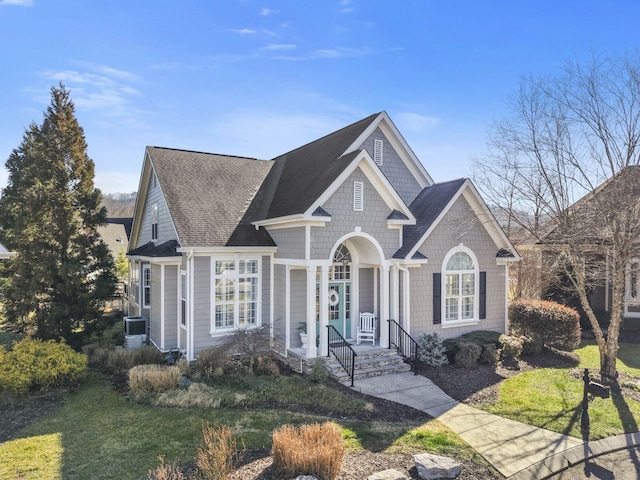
x=340, y=307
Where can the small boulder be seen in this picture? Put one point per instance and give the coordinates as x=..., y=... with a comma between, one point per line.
x=305, y=477
x=391, y=474
x=184, y=382
x=434, y=466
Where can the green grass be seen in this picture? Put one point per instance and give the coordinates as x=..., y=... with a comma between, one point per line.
x=552, y=398
x=98, y=434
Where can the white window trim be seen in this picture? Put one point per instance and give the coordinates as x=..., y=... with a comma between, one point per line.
x=358, y=196
x=146, y=267
x=378, y=148
x=154, y=222
x=443, y=288
x=182, y=298
x=219, y=331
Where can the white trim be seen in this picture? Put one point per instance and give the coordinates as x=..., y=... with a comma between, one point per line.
x=271, y=292
x=485, y=217
x=145, y=305
x=358, y=196
x=295, y=220
x=205, y=251
x=377, y=179
x=402, y=148
x=476, y=288
x=287, y=304
x=190, y=318
x=378, y=151
x=312, y=350
x=384, y=306
x=162, y=307
x=506, y=299
x=157, y=260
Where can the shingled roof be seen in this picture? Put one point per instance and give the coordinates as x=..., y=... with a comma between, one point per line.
x=426, y=207
x=300, y=176
x=208, y=195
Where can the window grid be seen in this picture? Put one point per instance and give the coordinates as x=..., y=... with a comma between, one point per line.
x=154, y=222
x=460, y=288
x=236, y=293
x=146, y=286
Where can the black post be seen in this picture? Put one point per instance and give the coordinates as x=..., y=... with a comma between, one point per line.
x=584, y=420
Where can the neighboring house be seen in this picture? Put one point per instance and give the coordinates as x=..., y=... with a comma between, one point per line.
x=116, y=233
x=4, y=253
x=349, y=223
x=537, y=272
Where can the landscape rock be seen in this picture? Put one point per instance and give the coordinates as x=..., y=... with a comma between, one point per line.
x=434, y=466
x=390, y=474
x=184, y=382
x=305, y=477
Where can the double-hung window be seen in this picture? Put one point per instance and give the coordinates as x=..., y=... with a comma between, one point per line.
x=154, y=222
x=460, y=288
x=146, y=286
x=236, y=287
x=183, y=298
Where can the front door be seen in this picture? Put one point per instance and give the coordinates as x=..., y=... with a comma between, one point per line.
x=340, y=307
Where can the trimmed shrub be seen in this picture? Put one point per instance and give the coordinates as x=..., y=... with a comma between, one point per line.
x=153, y=378
x=432, y=352
x=212, y=361
x=510, y=347
x=489, y=355
x=318, y=373
x=532, y=344
x=480, y=338
x=40, y=365
x=558, y=326
x=218, y=454
x=468, y=354
x=316, y=449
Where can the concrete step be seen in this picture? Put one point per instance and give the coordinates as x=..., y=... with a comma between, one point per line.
x=371, y=363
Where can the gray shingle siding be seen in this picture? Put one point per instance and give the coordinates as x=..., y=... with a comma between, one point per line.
x=166, y=231
x=154, y=313
x=290, y=242
x=170, y=306
x=373, y=219
x=394, y=168
x=298, y=304
x=202, y=303
x=367, y=302
x=279, y=308
x=460, y=225
x=265, y=280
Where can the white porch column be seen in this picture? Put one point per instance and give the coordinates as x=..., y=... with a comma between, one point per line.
x=324, y=308
x=312, y=350
x=395, y=293
x=384, y=306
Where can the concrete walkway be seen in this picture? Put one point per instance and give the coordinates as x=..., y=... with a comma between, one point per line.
x=510, y=446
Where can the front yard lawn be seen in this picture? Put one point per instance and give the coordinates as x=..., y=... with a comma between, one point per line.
x=551, y=397
x=99, y=434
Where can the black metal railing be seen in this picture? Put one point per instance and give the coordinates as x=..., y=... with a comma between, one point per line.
x=404, y=344
x=343, y=352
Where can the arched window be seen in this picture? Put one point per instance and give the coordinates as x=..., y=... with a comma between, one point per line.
x=460, y=286
x=341, y=269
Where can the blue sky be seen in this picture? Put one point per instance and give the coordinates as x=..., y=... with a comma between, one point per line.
x=258, y=78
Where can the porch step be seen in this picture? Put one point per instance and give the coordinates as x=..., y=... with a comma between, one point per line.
x=371, y=363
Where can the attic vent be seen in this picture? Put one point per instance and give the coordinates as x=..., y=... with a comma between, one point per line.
x=358, y=194
x=377, y=151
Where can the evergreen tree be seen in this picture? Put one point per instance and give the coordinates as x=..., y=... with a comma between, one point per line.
x=56, y=285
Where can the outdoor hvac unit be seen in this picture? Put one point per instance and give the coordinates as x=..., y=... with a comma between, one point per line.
x=135, y=331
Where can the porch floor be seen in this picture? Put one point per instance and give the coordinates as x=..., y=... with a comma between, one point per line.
x=364, y=347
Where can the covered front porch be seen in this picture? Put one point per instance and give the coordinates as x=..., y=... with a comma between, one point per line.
x=357, y=279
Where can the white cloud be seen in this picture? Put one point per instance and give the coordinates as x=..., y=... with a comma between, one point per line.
x=342, y=52
x=265, y=12
x=104, y=89
x=19, y=3
x=280, y=46
x=244, y=31
x=415, y=122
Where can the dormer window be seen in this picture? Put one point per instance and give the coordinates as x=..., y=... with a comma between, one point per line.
x=358, y=194
x=154, y=223
x=377, y=152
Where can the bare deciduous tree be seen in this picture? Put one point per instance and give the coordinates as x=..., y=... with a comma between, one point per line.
x=564, y=169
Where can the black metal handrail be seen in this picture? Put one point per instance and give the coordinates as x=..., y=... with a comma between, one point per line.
x=343, y=352
x=404, y=343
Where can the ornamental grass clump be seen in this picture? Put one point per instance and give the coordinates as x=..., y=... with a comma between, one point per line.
x=316, y=449
x=153, y=378
x=218, y=454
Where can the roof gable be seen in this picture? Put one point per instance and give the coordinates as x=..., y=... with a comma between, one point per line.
x=433, y=203
x=208, y=195
x=301, y=176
